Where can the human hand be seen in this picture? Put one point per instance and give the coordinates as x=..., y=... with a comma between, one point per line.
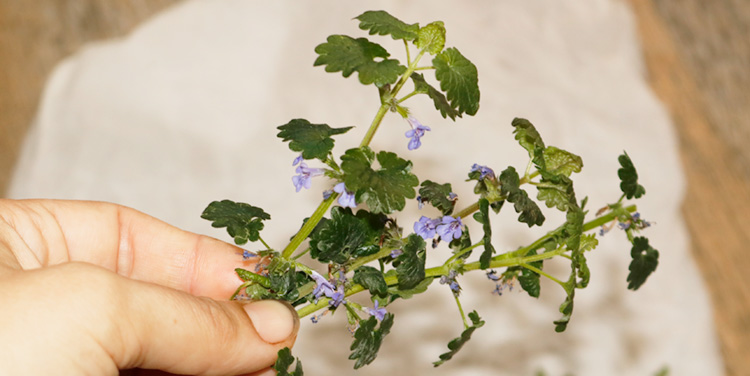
x=93, y=288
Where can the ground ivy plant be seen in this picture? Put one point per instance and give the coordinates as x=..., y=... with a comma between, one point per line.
x=354, y=236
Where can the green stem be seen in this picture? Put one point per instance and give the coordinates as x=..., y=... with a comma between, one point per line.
x=268, y=247
x=308, y=226
x=461, y=310
x=540, y=272
x=463, y=252
x=297, y=256
x=375, y=124
x=424, y=68
x=407, y=96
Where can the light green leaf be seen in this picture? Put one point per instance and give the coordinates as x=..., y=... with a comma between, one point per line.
x=431, y=37
x=381, y=23
x=561, y=162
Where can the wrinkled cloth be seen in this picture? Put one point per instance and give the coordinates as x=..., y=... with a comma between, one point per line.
x=184, y=111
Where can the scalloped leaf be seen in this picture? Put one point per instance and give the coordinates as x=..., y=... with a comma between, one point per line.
x=458, y=79
x=382, y=23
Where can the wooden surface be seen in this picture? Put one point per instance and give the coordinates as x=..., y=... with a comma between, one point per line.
x=697, y=55
x=711, y=115
x=34, y=36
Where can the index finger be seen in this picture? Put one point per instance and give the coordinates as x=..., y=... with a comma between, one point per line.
x=125, y=241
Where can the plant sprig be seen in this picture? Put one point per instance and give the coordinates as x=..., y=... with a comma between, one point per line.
x=354, y=234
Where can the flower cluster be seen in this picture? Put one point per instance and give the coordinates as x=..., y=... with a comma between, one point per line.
x=450, y=280
x=328, y=289
x=447, y=227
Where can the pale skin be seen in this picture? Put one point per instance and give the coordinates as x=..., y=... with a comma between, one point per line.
x=91, y=288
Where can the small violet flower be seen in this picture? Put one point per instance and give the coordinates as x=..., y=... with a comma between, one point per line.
x=484, y=171
x=415, y=133
x=337, y=298
x=379, y=313
x=297, y=160
x=450, y=228
x=425, y=227
x=305, y=174
x=492, y=276
x=347, y=197
x=396, y=252
x=323, y=287
x=247, y=255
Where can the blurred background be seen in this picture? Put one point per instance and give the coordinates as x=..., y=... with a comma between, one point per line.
x=696, y=56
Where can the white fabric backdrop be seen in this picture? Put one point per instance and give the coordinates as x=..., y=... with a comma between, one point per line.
x=184, y=111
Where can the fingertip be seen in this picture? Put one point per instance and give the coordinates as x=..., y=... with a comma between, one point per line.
x=274, y=321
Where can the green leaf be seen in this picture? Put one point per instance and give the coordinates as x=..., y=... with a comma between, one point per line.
x=431, y=37
x=645, y=260
x=584, y=274
x=284, y=360
x=384, y=190
x=372, y=279
x=410, y=263
x=556, y=191
x=347, y=55
x=527, y=135
x=483, y=217
x=341, y=237
x=629, y=178
x=313, y=140
x=438, y=195
x=284, y=279
x=367, y=339
x=457, y=343
x=458, y=245
x=381, y=23
x=243, y=221
x=561, y=162
x=588, y=242
x=438, y=98
x=247, y=275
x=566, y=308
x=571, y=233
x=407, y=294
x=529, y=280
x=458, y=79
x=528, y=209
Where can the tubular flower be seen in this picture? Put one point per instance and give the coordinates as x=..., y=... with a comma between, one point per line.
x=305, y=174
x=415, y=133
x=347, y=197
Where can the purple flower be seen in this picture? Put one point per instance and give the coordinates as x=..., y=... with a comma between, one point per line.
x=305, y=174
x=347, y=197
x=379, y=313
x=323, y=287
x=484, y=171
x=297, y=160
x=415, y=133
x=492, y=276
x=396, y=252
x=450, y=280
x=247, y=255
x=420, y=203
x=337, y=298
x=425, y=227
x=450, y=228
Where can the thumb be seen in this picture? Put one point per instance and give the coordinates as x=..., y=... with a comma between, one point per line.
x=174, y=331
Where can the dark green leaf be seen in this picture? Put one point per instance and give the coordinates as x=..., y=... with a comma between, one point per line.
x=645, y=261
x=566, y=308
x=347, y=55
x=529, y=280
x=410, y=263
x=284, y=279
x=527, y=135
x=341, y=237
x=407, y=294
x=371, y=279
x=629, y=178
x=457, y=343
x=367, y=339
x=431, y=37
x=284, y=360
x=458, y=79
x=381, y=23
x=528, y=209
x=313, y=140
x=438, y=98
x=483, y=217
x=584, y=274
x=384, y=190
x=438, y=195
x=243, y=221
